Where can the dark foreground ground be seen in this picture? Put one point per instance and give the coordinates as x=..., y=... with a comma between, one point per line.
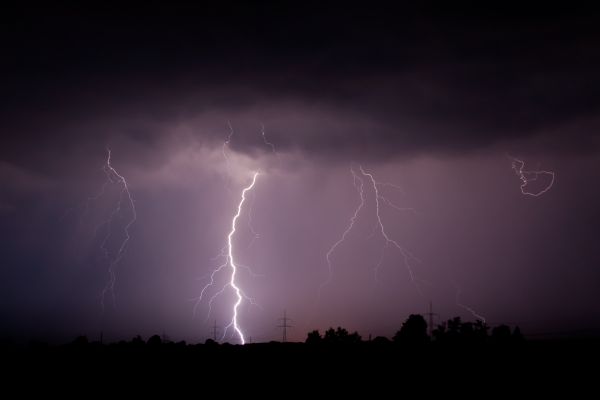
x=566, y=367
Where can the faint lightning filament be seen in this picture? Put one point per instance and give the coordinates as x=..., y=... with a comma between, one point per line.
x=408, y=257
x=359, y=183
x=530, y=176
x=113, y=177
x=271, y=145
x=464, y=306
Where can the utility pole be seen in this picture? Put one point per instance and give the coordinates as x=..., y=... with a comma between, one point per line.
x=284, y=325
x=430, y=314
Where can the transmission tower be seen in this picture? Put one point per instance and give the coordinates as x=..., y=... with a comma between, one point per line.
x=284, y=325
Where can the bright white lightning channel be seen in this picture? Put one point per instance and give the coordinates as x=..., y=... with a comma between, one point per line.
x=228, y=253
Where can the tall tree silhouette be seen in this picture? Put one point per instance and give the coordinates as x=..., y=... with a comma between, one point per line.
x=413, y=330
x=314, y=337
x=341, y=336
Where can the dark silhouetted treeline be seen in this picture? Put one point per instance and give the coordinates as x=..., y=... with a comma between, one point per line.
x=458, y=351
x=413, y=332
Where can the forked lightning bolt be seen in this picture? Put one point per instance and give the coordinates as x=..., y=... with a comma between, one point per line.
x=359, y=184
x=228, y=253
x=408, y=257
x=113, y=177
x=530, y=176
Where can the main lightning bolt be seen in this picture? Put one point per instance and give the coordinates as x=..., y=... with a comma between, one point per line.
x=113, y=177
x=238, y=292
x=228, y=253
x=530, y=176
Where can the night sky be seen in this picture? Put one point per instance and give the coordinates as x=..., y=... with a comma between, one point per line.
x=433, y=101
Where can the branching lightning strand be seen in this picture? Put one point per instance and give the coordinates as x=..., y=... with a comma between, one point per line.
x=125, y=195
x=358, y=184
x=529, y=176
x=464, y=306
x=271, y=145
x=230, y=262
x=379, y=226
x=408, y=257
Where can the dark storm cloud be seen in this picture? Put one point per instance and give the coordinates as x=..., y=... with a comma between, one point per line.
x=333, y=81
x=397, y=89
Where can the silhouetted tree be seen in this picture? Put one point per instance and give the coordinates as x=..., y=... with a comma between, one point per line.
x=517, y=336
x=80, y=341
x=466, y=331
x=137, y=341
x=381, y=340
x=314, y=337
x=501, y=334
x=439, y=333
x=413, y=330
x=455, y=331
x=154, y=341
x=340, y=336
x=354, y=338
x=481, y=331
x=330, y=336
